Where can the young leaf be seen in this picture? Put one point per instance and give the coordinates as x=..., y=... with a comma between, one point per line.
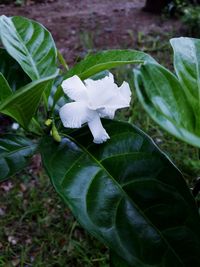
x=30, y=44
x=5, y=89
x=187, y=66
x=128, y=194
x=62, y=61
x=105, y=60
x=23, y=104
x=15, y=152
x=162, y=96
x=12, y=71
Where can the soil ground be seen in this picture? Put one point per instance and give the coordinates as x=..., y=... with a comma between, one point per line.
x=77, y=25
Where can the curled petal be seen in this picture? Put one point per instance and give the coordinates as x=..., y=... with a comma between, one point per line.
x=125, y=93
x=121, y=99
x=73, y=115
x=74, y=88
x=99, y=133
x=106, y=97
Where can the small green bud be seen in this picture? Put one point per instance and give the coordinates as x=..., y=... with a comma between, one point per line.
x=55, y=134
x=48, y=122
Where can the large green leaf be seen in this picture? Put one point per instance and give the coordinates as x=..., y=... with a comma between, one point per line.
x=30, y=44
x=23, y=104
x=116, y=261
x=106, y=60
x=162, y=96
x=12, y=71
x=128, y=194
x=15, y=152
x=187, y=66
x=5, y=89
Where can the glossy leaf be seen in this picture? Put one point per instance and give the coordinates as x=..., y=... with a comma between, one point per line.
x=23, y=104
x=5, y=89
x=163, y=98
x=128, y=194
x=116, y=261
x=15, y=153
x=106, y=60
x=54, y=98
x=12, y=71
x=30, y=44
x=187, y=66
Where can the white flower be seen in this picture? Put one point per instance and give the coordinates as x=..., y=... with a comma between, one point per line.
x=93, y=100
x=15, y=126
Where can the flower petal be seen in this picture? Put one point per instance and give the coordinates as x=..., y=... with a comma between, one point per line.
x=100, y=92
x=73, y=115
x=106, y=97
x=74, y=88
x=99, y=133
x=125, y=93
x=121, y=99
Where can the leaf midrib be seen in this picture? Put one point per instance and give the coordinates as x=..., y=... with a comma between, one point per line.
x=26, y=51
x=127, y=197
x=17, y=150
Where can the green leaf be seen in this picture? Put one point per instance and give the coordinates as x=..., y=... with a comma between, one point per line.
x=12, y=71
x=116, y=261
x=62, y=61
x=30, y=44
x=15, y=152
x=187, y=66
x=105, y=60
x=128, y=194
x=54, y=98
x=162, y=96
x=23, y=104
x=5, y=89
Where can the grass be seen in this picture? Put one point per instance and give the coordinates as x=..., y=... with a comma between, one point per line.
x=38, y=230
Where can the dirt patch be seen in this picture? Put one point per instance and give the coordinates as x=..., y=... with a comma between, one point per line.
x=89, y=24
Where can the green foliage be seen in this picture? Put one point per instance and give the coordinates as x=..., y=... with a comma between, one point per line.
x=188, y=11
x=116, y=261
x=175, y=7
x=12, y=71
x=191, y=20
x=23, y=104
x=126, y=193
x=15, y=152
x=30, y=44
x=101, y=61
x=173, y=102
x=187, y=67
x=5, y=88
